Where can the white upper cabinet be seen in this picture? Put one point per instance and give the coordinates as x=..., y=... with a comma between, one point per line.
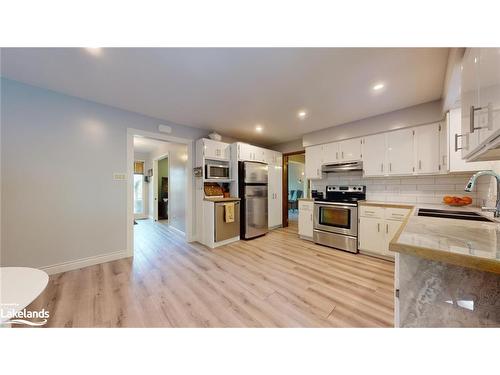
x=455, y=161
x=374, y=152
x=215, y=149
x=350, y=149
x=273, y=157
x=487, y=118
x=248, y=152
x=330, y=152
x=444, y=147
x=314, y=161
x=343, y=151
x=427, y=139
x=469, y=99
x=400, y=157
x=480, y=97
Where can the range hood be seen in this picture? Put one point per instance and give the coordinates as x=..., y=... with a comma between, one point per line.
x=342, y=167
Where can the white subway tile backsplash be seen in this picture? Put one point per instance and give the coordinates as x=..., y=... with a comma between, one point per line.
x=411, y=189
x=436, y=187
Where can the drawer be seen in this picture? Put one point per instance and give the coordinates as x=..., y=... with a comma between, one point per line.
x=371, y=211
x=306, y=205
x=396, y=213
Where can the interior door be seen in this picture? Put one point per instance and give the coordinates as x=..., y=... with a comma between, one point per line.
x=400, y=155
x=155, y=190
x=374, y=155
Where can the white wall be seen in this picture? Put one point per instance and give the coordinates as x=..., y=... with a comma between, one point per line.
x=292, y=146
x=58, y=153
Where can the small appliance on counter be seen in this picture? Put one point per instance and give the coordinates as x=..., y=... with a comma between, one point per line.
x=336, y=217
x=253, y=178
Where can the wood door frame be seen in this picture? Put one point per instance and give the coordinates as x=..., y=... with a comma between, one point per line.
x=284, y=192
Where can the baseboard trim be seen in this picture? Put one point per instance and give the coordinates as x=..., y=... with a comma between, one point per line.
x=177, y=230
x=84, y=262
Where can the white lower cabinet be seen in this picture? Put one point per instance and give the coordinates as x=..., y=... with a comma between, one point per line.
x=371, y=237
x=306, y=212
x=377, y=228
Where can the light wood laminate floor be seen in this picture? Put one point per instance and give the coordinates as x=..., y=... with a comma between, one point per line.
x=277, y=280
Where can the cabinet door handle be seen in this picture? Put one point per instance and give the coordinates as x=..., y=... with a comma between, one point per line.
x=381, y=167
x=378, y=227
x=387, y=228
x=456, y=142
x=390, y=167
x=490, y=118
x=420, y=164
x=342, y=154
x=337, y=155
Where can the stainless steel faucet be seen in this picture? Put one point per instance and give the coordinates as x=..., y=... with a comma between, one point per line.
x=472, y=182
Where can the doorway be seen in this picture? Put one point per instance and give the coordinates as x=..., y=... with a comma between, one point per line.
x=295, y=185
x=158, y=171
x=161, y=188
x=140, y=209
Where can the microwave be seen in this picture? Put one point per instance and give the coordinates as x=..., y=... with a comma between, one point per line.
x=217, y=170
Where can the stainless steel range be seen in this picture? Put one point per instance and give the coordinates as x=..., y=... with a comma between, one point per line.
x=336, y=217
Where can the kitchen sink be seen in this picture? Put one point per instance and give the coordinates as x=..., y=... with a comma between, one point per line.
x=459, y=215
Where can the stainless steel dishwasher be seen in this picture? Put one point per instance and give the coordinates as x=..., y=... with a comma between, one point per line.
x=222, y=230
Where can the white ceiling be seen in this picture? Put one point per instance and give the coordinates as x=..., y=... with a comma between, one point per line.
x=230, y=90
x=147, y=145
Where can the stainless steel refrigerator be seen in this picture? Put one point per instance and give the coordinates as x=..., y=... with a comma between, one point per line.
x=252, y=184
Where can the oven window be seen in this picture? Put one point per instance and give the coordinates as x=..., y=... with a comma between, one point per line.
x=219, y=172
x=335, y=217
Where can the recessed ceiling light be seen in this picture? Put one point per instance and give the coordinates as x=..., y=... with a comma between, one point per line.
x=96, y=51
x=258, y=128
x=302, y=114
x=378, y=86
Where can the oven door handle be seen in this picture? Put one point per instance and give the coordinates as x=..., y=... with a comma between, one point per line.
x=337, y=204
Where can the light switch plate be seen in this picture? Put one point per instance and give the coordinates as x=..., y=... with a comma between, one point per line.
x=119, y=176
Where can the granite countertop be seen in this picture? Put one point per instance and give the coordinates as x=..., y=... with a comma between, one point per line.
x=466, y=243
x=218, y=199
